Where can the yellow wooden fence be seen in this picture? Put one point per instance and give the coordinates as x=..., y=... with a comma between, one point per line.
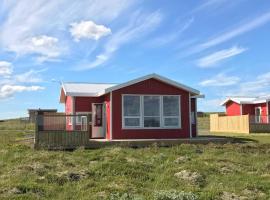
x=232, y=124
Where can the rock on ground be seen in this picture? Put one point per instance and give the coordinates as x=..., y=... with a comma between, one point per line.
x=193, y=177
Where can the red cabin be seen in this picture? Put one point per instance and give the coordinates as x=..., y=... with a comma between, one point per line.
x=257, y=107
x=149, y=107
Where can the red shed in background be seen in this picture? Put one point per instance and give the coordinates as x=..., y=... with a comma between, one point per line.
x=257, y=107
x=149, y=107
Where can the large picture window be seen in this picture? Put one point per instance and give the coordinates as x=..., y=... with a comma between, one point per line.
x=151, y=111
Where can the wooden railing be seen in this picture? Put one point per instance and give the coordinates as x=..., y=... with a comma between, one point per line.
x=56, y=132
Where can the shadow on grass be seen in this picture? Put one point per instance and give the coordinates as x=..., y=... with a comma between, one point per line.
x=231, y=139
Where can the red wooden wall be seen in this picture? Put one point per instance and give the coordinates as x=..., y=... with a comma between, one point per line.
x=233, y=109
x=150, y=86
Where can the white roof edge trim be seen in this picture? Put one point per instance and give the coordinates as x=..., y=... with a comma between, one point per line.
x=155, y=76
x=254, y=101
x=62, y=88
x=198, y=96
x=224, y=102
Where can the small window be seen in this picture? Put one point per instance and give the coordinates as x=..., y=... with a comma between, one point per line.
x=152, y=112
x=132, y=111
x=171, y=111
x=79, y=116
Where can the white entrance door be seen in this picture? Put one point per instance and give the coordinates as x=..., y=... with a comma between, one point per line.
x=258, y=111
x=98, y=122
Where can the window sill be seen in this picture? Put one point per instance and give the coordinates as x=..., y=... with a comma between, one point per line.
x=151, y=128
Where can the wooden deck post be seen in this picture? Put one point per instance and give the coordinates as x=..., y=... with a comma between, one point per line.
x=36, y=142
x=88, y=126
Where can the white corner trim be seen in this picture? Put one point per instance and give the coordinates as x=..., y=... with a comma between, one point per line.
x=241, y=109
x=111, y=119
x=189, y=113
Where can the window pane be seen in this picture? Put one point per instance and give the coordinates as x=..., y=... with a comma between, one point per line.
x=171, y=121
x=132, y=121
x=151, y=122
x=131, y=106
x=78, y=119
x=151, y=105
x=171, y=106
x=192, y=118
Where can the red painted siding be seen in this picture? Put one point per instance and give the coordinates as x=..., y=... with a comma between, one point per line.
x=263, y=112
x=248, y=109
x=68, y=111
x=193, y=109
x=268, y=108
x=150, y=86
x=84, y=104
x=233, y=109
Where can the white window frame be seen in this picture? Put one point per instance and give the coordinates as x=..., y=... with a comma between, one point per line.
x=124, y=117
x=162, y=117
x=258, y=118
x=179, y=116
x=160, y=111
x=81, y=113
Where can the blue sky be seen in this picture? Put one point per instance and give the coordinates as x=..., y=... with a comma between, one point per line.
x=220, y=47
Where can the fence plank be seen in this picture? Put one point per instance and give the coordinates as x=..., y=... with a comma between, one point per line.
x=233, y=124
x=62, y=139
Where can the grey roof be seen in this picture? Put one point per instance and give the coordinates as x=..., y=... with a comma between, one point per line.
x=98, y=89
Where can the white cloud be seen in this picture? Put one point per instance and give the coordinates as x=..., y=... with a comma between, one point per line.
x=88, y=30
x=7, y=91
x=45, y=47
x=207, y=4
x=249, y=25
x=139, y=26
x=5, y=68
x=170, y=37
x=214, y=58
x=259, y=85
x=22, y=23
x=44, y=41
x=220, y=80
x=210, y=105
x=31, y=76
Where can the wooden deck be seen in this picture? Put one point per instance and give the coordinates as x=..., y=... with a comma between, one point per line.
x=52, y=142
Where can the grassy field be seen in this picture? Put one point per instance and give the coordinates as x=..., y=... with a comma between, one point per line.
x=16, y=124
x=213, y=171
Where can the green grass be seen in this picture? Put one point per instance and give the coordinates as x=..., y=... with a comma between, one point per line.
x=16, y=124
x=143, y=173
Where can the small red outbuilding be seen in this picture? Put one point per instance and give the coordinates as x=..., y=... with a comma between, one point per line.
x=149, y=107
x=257, y=107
